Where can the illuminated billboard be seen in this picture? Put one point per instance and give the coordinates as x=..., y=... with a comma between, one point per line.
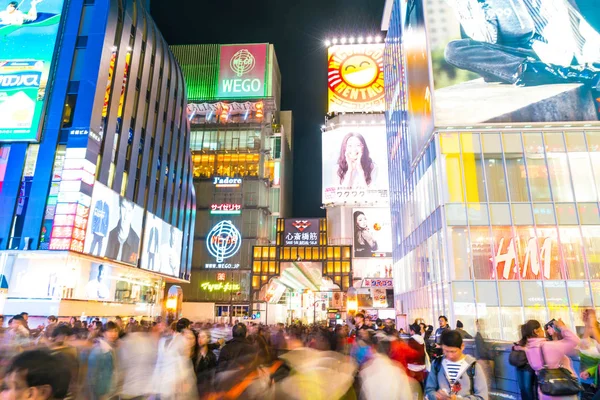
x=114, y=226
x=162, y=246
x=372, y=232
x=355, y=169
x=301, y=232
x=518, y=61
x=242, y=71
x=28, y=33
x=355, y=78
x=223, y=242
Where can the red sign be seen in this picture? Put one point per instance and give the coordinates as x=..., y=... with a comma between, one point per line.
x=242, y=71
x=221, y=277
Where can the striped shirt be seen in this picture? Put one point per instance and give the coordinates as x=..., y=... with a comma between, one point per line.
x=454, y=370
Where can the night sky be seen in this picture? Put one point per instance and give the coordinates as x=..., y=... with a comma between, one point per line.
x=297, y=29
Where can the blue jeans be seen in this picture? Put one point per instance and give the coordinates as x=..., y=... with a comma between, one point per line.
x=527, y=383
x=493, y=62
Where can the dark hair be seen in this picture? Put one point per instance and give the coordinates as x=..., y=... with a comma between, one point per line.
x=451, y=338
x=365, y=161
x=360, y=315
x=18, y=318
x=62, y=330
x=443, y=316
x=52, y=318
x=40, y=368
x=15, y=4
x=182, y=324
x=459, y=324
x=528, y=330
x=117, y=318
x=111, y=326
x=416, y=328
x=239, y=330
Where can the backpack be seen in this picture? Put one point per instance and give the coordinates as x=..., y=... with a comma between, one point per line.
x=437, y=365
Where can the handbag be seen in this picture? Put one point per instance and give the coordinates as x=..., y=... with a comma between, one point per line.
x=518, y=358
x=557, y=381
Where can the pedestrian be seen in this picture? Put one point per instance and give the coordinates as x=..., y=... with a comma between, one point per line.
x=102, y=364
x=61, y=348
x=526, y=377
x=418, y=361
x=589, y=356
x=381, y=372
x=36, y=375
x=460, y=329
x=455, y=374
x=52, y=323
x=542, y=353
x=206, y=363
x=237, y=352
x=174, y=354
x=137, y=355
x=443, y=321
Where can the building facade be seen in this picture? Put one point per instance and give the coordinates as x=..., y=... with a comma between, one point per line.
x=97, y=184
x=494, y=203
x=242, y=166
x=355, y=174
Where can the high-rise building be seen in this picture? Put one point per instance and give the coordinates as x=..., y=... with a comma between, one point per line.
x=494, y=163
x=96, y=194
x=355, y=175
x=241, y=155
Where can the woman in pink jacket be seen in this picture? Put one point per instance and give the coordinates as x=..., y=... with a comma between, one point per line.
x=555, y=352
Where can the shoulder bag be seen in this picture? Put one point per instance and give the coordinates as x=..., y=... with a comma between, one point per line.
x=557, y=381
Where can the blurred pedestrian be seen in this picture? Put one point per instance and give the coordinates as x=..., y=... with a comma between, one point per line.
x=206, y=363
x=381, y=372
x=460, y=329
x=36, y=375
x=102, y=364
x=237, y=352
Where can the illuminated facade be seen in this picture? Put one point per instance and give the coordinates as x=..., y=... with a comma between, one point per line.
x=241, y=155
x=112, y=162
x=355, y=187
x=497, y=222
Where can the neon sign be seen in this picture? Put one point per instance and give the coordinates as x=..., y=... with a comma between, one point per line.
x=223, y=241
x=225, y=208
x=220, y=287
x=227, y=182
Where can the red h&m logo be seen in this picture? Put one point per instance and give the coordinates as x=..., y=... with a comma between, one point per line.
x=301, y=225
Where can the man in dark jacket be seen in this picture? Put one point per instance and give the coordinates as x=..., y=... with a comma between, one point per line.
x=238, y=351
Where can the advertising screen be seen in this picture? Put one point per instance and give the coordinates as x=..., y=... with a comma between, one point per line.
x=162, y=246
x=498, y=61
x=355, y=78
x=114, y=226
x=355, y=166
x=301, y=232
x=372, y=232
x=28, y=32
x=242, y=71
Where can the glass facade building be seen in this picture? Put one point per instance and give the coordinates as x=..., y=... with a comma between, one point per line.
x=115, y=118
x=241, y=159
x=497, y=223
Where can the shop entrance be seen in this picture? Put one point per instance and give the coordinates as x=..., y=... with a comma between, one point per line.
x=304, y=283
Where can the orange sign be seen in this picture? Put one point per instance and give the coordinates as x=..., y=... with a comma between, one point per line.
x=355, y=78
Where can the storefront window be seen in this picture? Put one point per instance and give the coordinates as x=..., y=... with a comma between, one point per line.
x=454, y=188
x=560, y=177
x=481, y=250
x=583, y=177
x=536, y=167
x=473, y=168
x=459, y=252
x=572, y=252
x=591, y=242
x=549, y=254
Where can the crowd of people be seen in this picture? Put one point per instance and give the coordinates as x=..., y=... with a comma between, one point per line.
x=363, y=359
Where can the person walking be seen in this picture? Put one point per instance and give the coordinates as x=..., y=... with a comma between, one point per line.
x=206, y=363
x=460, y=329
x=526, y=377
x=102, y=364
x=542, y=353
x=455, y=374
x=238, y=351
x=418, y=361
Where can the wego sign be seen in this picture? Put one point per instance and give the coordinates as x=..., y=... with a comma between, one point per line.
x=242, y=71
x=355, y=78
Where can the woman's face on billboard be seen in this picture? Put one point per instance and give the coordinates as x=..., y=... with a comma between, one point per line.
x=361, y=221
x=354, y=149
